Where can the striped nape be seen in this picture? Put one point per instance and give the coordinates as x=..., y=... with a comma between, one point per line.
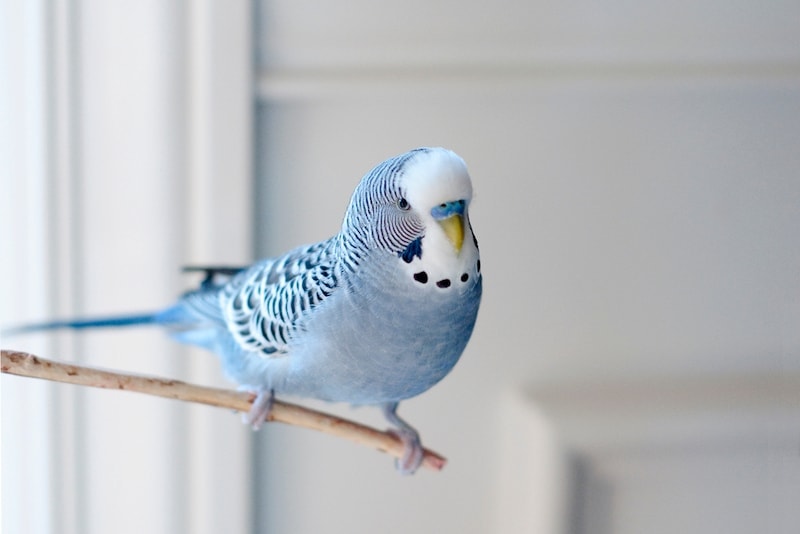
x=376, y=218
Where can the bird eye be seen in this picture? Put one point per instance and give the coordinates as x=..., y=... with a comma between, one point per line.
x=403, y=204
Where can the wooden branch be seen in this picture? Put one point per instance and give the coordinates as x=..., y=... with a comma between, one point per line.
x=24, y=364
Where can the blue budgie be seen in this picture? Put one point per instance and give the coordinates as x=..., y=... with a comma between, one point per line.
x=376, y=314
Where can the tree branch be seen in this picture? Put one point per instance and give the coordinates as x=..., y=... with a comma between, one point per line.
x=24, y=364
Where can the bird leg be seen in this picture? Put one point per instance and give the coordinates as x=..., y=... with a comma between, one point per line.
x=260, y=409
x=412, y=457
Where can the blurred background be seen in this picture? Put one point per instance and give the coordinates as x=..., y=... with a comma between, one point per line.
x=636, y=363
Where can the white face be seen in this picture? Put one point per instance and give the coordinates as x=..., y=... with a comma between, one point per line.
x=439, y=190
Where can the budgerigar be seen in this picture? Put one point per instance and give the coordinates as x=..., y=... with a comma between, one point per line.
x=376, y=314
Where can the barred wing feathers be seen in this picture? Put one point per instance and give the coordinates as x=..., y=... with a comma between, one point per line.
x=264, y=306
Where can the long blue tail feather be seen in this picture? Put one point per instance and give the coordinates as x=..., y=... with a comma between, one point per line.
x=96, y=322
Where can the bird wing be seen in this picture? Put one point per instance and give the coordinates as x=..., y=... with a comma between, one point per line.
x=264, y=306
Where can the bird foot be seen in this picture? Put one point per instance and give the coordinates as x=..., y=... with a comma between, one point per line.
x=260, y=409
x=413, y=453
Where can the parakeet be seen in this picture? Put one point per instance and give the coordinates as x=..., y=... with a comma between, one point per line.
x=378, y=313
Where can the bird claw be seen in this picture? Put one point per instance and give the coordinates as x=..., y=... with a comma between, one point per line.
x=413, y=453
x=260, y=410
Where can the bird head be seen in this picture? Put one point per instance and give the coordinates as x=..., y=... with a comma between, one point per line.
x=416, y=206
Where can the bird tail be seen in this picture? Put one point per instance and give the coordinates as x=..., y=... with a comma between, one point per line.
x=162, y=317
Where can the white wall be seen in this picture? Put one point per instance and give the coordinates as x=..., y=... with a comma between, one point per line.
x=637, y=192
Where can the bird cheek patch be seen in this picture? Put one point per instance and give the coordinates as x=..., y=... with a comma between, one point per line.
x=413, y=250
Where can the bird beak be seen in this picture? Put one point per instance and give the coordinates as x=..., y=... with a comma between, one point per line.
x=453, y=227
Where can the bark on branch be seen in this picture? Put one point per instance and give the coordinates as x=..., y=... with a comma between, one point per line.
x=24, y=364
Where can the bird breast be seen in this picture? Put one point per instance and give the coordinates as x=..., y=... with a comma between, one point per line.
x=383, y=337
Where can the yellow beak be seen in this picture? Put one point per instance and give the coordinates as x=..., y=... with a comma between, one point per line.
x=453, y=227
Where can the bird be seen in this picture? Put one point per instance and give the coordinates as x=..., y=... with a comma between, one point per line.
x=376, y=314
